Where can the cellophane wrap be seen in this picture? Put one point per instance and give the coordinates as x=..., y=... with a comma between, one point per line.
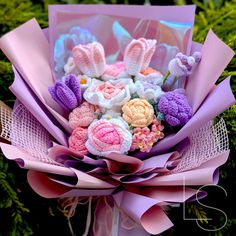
x=131, y=192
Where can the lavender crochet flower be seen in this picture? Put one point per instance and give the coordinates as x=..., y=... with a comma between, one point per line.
x=67, y=93
x=182, y=65
x=175, y=107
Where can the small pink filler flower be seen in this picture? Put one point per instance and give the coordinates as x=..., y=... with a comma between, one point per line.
x=144, y=138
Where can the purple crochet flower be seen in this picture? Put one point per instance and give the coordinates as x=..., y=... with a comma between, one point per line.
x=67, y=93
x=175, y=107
x=182, y=65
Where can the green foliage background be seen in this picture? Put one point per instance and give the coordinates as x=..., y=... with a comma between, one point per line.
x=22, y=212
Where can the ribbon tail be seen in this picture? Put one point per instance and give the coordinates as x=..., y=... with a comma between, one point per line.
x=103, y=216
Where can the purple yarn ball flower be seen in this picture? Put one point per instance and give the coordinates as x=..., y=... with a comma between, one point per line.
x=175, y=107
x=67, y=93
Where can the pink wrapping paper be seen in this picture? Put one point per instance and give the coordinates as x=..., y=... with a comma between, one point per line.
x=141, y=200
x=24, y=39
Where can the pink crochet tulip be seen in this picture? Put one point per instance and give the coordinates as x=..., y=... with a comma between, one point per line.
x=83, y=115
x=138, y=55
x=77, y=140
x=90, y=59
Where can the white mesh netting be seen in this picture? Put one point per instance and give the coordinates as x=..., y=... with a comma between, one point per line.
x=5, y=122
x=205, y=144
x=28, y=134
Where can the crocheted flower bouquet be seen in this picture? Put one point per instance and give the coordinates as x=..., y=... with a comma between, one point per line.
x=120, y=107
x=117, y=109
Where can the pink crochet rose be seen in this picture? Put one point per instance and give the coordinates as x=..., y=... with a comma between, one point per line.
x=115, y=71
x=109, y=90
x=138, y=55
x=77, y=140
x=111, y=94
x=83, y=115
x=90, y=59
x=107, y=136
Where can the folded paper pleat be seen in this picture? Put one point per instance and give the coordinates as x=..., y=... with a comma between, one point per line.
x=216, y=55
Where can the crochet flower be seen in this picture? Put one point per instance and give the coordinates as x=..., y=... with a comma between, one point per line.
x=67, y=93
x=182, y=65
x=138, y=112
x=90, y=59
x=115, y=71
x=148, y=84
x=144, y=138
x=148, y=90
x=77, y=140
x=138, y=55
x=150, y=75
x=107, y=136
x=65, y=43
x=156, y=129
x=84, y=81
x=111, y=94
x=70, y=67
x=83, y=115
x=175, y=107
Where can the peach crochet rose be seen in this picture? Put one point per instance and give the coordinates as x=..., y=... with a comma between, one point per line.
x=83, y=115
x=107, y=136
x=77, y=140
x=138, y=112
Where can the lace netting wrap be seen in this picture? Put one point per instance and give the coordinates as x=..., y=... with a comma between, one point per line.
x=25, y=132
x=5, y=121
x=28, y=134
x=205, y=144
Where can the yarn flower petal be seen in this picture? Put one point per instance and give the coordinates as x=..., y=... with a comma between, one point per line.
x=111, y=94
x=90, y=59
x=138, y=55
x=67, y=93
x=138, y=112
x=175, y=107
x=107, y=136
x=77, y=140
x=83, y=115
